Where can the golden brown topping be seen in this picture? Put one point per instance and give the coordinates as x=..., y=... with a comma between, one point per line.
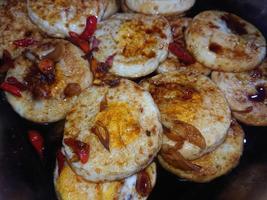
x=119, y=122
x=172, y=156
x=72, y=89
x=176, y=101
x=172, y=91
x=136, y=38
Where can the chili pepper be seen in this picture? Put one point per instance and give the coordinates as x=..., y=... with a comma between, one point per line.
x=181, y=53
x=25, y=42
x=91, y=24
x=83, y=44
x=60, y=161
x=10, y=89
x=81, y=149
x=37, y=141
x=13, y=81
x=143, y=184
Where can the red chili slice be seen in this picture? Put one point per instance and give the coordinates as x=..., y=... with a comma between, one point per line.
x=25, y=42
x=60, y=161
x=13, y=81
x=81, y=43
x=37, y=142
x=182, y=54
x=81, y=149
x=143, y=184
x=91, y=24
x=10, y=89
x=6, y=62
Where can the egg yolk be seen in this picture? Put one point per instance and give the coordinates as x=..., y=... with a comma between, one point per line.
x=135, y=38
x=74, y=188
x=122, y=127
x=66, y=185
x=177, y=101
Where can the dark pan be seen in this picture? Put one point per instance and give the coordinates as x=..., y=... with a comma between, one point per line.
x=23, y=176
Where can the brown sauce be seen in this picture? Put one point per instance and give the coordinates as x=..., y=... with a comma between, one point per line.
x=216, y=48
x=39, y=84
x=234, y=24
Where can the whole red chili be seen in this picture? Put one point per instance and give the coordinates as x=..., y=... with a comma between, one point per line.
x=81, y=43
x=81, y=149
x=181, y=53
x=11, y=89
x=91, y=24
x=25, y=42
x=37, y=141
x=60, y=161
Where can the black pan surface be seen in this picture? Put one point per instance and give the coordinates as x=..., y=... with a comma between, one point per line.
x=23, y=176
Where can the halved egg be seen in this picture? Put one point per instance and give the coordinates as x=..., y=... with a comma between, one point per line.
x=119, y=128
x=193, y=110
x=137, y=43
x=246, y=94
x=53, y=75
x=70, y=186
x=224, y=42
